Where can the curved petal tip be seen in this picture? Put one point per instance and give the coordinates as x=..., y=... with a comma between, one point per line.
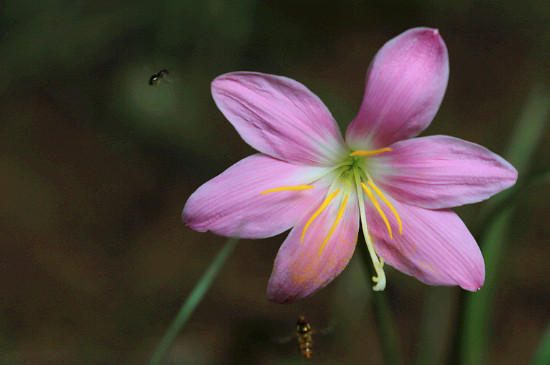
x=405, y=86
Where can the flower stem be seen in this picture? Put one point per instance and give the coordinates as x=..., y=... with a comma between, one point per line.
x=387, y=331
x=436, y=331
x=192, y=301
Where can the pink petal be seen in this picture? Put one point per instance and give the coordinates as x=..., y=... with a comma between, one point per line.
x=299, y=270
x=435, y=247
x=441, y=172
x=279, y=117
x=405, y=85
x=232, y=204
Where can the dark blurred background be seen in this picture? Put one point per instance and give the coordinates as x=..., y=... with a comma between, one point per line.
x=96, y=166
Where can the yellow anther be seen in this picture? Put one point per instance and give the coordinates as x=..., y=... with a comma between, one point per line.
x=338, y=217
x=288, y=188
x=377, y=206
x=327, y=201
x=379, y=193
x=370, y=153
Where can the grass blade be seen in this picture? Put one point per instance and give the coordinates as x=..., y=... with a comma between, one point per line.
x=542, y=356
x=531, y=125
x=193, y=300
x=479, y=306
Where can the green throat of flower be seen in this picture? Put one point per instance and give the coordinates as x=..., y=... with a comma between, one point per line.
x=351, y=177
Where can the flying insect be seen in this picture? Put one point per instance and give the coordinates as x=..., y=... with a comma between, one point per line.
x=304, y=334
x=155, y=79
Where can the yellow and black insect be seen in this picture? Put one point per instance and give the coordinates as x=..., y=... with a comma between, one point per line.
x=155, y=79
x=304, y=333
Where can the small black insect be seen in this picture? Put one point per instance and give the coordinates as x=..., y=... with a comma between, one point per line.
x=155, y=79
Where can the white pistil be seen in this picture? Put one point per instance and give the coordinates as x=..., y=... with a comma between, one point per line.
x=378, y=264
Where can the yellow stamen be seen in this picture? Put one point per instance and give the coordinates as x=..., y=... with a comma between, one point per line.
x=379, y=193
x=327, y=201
x=377, y=206
x=370, y=153
x=288, y=188
x=338, y=217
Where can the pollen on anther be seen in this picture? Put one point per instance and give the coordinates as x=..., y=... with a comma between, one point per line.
x=383, y=197
x=336, y=221
x=370, y=153
x=288, y=188
x=325, y=203
x=378, y=208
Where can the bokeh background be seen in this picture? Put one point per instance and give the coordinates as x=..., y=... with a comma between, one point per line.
x=96, y=166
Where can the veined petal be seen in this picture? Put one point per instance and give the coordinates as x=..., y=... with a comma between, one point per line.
x=435, y=247
x=302, y=268
x=232, y=204
x=441, y=172
x=406, y=82
x=279, y=117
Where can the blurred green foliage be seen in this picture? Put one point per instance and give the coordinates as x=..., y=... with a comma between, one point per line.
x=96, y=165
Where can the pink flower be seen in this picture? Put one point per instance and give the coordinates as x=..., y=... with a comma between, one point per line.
x=306, y=177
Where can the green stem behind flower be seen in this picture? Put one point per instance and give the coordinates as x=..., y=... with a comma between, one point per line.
x=437, y=324
x=192, y=301
x=478, y=313
x=388, y=335
x=479, y=307
x=542, y=356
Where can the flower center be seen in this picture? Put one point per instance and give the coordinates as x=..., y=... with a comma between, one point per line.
x=349, y=173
